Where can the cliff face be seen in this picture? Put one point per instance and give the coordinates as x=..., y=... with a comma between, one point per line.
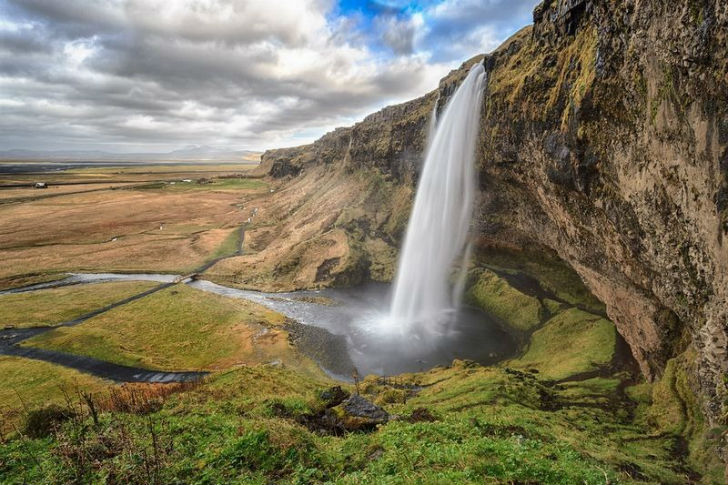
x=605, y=138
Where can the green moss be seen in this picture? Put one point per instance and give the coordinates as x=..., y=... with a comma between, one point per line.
x=229, y=246
x=243, y=426
x=494, y=295
x=553, y=306
x=572, y=342
x=552, y=274
x=676, y=409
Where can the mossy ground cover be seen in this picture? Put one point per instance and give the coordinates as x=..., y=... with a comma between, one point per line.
x=516, y=309
x=57, y=305
x=487, y=426
x=572, y=342
x=552, y=274
x=27, y=384
x=674, y=409
x=179, y=328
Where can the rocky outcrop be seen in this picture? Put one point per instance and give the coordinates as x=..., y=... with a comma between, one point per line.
x=605, y=138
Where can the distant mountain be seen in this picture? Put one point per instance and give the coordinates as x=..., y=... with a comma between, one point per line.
x=191, y=152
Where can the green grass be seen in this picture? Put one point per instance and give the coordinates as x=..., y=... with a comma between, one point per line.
x=493, y=425
x=552, y=274
x=175, y=329
x=220, y=184
x=30, y=383
x=676, y=410
x=491, y=428
x=494, y=295
x=570, y=343
x=229, y=246
x=56, y=305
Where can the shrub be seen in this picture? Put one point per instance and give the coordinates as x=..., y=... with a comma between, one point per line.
x=42, y=422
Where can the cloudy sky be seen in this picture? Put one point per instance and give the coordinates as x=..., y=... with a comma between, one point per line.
x=156, y=75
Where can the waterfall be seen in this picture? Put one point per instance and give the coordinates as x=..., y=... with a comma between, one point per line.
x=432, y=125
x=423, y=301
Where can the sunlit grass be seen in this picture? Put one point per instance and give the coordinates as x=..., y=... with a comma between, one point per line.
x=57, y=305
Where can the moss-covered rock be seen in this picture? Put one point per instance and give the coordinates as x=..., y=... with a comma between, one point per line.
x=493, y=294
x=571, y=343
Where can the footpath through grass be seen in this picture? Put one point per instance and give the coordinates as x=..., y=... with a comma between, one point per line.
x=179, y=328
x=57, y=305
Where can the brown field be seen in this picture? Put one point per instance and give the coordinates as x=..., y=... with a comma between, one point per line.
x=129, y=174
x=24, y=194
x=119, y=230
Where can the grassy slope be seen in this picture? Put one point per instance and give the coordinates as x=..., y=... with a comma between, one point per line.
x=491, y=427
x=675, y=410
x=29, y=383
x=552, y=274
x=57, y=305
x=177, y=328
x=570, y=343
x=517, y=310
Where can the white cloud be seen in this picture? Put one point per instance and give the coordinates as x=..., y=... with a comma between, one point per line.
x=147, y=74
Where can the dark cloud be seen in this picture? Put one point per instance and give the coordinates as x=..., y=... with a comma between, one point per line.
x=243, y=73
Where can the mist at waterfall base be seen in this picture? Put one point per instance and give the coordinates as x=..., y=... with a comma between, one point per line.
x=355, y=315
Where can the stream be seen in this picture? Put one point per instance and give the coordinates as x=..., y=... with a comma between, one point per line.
x=354, y=314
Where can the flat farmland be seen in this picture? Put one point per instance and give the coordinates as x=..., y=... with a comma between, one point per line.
x=147, y=227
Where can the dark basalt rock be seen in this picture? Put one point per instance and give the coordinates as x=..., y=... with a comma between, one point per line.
x=360, y=414
x=359, y=407
x=333, y=396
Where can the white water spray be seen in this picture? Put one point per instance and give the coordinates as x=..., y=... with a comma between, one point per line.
x=438, y=227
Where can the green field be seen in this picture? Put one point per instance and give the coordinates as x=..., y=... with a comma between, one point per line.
x=570, y=343
x=57, y=305
x=220, y=184
x=28, y=384
x=486, y=426
x=179, y=328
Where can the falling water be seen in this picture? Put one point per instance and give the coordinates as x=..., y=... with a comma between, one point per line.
x=437, y=233
x=433, y=122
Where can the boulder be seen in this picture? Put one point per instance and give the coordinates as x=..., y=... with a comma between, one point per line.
x=333, y=396
x=359, y=414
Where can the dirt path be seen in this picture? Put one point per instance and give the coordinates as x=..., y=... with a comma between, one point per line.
x=10, y=338
x=100, y=368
